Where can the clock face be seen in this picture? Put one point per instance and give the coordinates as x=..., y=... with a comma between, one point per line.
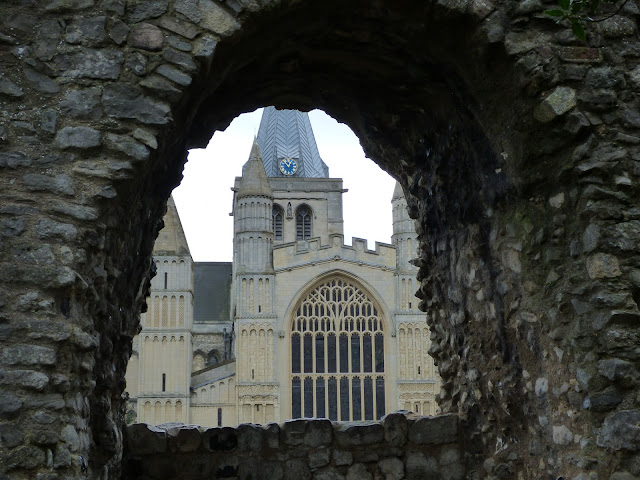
x=288, y=166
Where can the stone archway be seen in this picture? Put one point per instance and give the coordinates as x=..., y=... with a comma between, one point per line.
x=515, y=143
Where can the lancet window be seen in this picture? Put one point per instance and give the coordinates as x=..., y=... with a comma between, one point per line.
x=303, y=223
x=276, y=222
x=337, y=354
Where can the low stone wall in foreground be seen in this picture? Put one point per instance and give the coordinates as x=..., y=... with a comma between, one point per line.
x=401, y=446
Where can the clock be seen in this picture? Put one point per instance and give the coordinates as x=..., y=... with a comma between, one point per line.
x=288, y=166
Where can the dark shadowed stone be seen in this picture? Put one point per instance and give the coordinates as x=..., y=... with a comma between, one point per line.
x=250, y=437
x=625, y=236
x=358, y=472
x=14, y=159
x=292, y=431
x=41, y=82
x=395, y=429
x=605, y=400
x=48, y=121
x=89, y=63
x=61, y=457
x=296, y=470
x=350, y=434
x=128, y=101
x=10, y=436
x=82, y=103
x=342, y=457
x=118, y=32
x=26, y=457
x=24, y=378
x=59, y=184
x=328, y=473
x=78, y=137
x=44, y=437
x=137, y=63
x=7, y=87
x=617, y=26
x=147, y=37
x=619, y=370
x=223, y=439
x=621, y=431
x=45, y=228
x=318, y=432
x=391, y=468
x=12, y=227
x=148, y=9
x=68, y=5
x=319, y=458
x=146, y=439
x=27, y=355
x=184, y=29
x=272, y=434
x=88, y=31
x=174, y=75
x=418, y=466
x=183, y=60
x=10, y=405
x=434, y=430
x=126, y=145
x=179, y=44
x=161, y=86
x=189, y=8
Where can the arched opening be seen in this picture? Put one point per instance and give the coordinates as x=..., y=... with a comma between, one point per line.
x=511, y=206
x=304, y=222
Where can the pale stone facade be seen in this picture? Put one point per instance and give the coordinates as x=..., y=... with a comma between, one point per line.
x=311, y=326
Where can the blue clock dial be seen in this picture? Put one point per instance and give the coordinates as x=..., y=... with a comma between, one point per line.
x=288, y=166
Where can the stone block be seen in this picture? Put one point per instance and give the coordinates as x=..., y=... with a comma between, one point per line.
x=119, y=32
x=250, y=437
x=620, y=430
x=220, y=439
x=78, y=137
x=617, y=26
x=24, y=378
x=184, y=29
x=319, y=458
x=359, y=434
x=296, y=469
x=52, y=401
x=10, y=405
x=128, y=101
x=562, y=435
x=25, y=457
x=580, y=54
x=182, y=438
x=418, y=466
x=126, y=145
x=27, y=355
x=146, y=37
x=60, y=184
x=559, y=102
x=434, y=430
x=41, y=82
x=181, y=59
x=216, y=19
x=395, y=429
x=391, y=468
x=342, y=457
x=7, y=87
x=605, y=400
x=10, y=435
x=318, y=432
x=46, y=228
x=272, y=435
x=146, y=439
x=603, y=265
x=174, y=75
x=328, y=473
x=292, y=431
x=147, y=10
x=102, y=64
x=89, y=31
x=82, y=103
x=358, y=472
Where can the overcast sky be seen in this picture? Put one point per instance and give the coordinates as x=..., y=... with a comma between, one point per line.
x=204, y=197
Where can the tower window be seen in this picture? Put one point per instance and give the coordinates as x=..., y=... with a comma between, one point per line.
x=276, y=222
x=164, y=382
x=257, y=408
x=303, y=223
x=166, y=278
x=219, y=417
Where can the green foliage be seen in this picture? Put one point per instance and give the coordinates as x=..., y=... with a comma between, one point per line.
x=578, y=13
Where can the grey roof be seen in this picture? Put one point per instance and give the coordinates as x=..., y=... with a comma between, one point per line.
x=288, y=133
x=211, y=292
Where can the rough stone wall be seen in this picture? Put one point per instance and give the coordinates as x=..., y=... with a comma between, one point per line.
x=517, y=145
x=399, y=447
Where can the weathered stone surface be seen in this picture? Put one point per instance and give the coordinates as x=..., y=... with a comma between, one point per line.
x=391, y=468
x=127, y=101
x=146, y=439
x=46, y=228
x=83, y=103
x=181, y=59
x=7, y=87
x=88, y=31
x=60, y=184
x=78, y=137
x=103, y=64
x=296, y=469
x=605, y=400
x=41, y=82
x=147, y=37
x=342, y=457
x=24, y=378
x=418, y=466
x=126, y=145
x=603, y=265
x=174, y=75
x=395, y=429
x=10, y=404
x=621, y=430
x=10, y=436
x=318, y=432
x=358, y=472
x=562, y=435
x=147, y=10
x=216, y=19
x=434, y=430
x=222, y=439
x=27, y=355
x=319, y=458
x=119, y=32
x=359, y=434
x=559, y=102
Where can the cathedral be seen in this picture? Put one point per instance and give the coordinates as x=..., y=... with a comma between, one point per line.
x=301, y=323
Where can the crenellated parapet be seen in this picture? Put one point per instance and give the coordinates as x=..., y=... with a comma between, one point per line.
x=299, y=254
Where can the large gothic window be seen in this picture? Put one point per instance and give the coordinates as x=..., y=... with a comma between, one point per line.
x=303, y=223
x=276, y=222
x=337, y=355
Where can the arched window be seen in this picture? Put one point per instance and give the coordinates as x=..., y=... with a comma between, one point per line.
x=337, y=354
x=303, y=223
x=276, y=222
x=212, y=359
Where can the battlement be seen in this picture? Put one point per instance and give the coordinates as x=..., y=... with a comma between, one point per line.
x=289, y=255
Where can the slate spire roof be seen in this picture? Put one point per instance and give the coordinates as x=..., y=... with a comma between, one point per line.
x=171, y=239
x=288, y=133
x=253, y=182
x=397, y=192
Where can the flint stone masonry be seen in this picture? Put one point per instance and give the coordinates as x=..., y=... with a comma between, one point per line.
x=307, y=448
x=518, y=150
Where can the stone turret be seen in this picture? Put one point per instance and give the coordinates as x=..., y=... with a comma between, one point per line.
x=253, y=211
x=404, y=233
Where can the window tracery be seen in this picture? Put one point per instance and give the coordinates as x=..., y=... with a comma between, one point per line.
x=337, y=354
x=276, y=222
x=303, y=223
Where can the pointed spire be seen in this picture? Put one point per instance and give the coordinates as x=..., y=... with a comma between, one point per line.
x=254, y=179
x=171, y=239
x=398, y=193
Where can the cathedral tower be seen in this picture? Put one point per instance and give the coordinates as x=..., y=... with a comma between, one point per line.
x=160, y=373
